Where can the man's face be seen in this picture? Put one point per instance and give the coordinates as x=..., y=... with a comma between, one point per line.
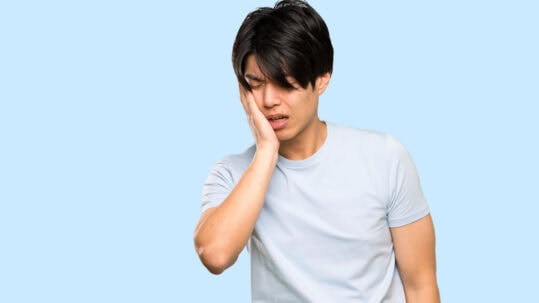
x=292, y=113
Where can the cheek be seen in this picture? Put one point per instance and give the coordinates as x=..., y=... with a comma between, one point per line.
x=259, y=103
x=305, y=105
x=258, y=98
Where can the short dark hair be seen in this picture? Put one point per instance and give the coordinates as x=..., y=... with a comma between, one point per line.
x=288, y=40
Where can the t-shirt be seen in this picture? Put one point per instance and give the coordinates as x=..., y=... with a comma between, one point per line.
x=323, y=234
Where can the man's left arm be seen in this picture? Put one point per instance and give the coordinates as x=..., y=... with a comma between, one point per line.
x=414, y=246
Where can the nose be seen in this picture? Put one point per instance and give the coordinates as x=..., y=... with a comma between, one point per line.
x=271, y=95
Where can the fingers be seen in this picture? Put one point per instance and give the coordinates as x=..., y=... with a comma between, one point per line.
x=243, y=99
x=259, y=125
x=246, y=99
x=252, y=108
x=248, y=103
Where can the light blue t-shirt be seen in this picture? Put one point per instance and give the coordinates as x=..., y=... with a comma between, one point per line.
x=323, y=233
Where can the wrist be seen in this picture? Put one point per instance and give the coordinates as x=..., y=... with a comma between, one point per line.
x=267, y=154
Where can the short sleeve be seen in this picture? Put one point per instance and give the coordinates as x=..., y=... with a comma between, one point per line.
x=217, y=186
x=406, y=200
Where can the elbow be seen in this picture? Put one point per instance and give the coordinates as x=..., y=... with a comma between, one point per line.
x=215, y=260
x=215, y=268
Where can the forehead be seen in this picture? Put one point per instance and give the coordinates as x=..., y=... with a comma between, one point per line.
x=253, y=72
x=252, y=68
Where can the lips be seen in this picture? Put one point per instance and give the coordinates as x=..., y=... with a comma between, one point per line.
x=277, y=121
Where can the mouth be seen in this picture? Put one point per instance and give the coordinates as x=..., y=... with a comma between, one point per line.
x=277, y=121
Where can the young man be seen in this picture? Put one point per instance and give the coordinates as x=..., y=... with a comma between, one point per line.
x=329, y=213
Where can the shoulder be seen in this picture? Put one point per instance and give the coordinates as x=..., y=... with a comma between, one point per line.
x=224, y=174
x=365, y=138
x=237, y=163
x=367, y=144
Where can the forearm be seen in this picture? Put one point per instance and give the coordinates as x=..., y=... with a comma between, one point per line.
x=221, y=234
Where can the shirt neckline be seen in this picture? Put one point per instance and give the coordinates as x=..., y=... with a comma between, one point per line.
x=314, y=158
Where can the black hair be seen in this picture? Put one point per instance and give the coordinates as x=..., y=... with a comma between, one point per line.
x=288, y=40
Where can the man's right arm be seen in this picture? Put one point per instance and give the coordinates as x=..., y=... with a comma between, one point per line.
x=223, y=231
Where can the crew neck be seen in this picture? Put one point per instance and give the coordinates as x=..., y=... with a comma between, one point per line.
x=314, y=158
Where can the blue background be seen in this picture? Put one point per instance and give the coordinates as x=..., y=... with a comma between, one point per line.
x=112, y=113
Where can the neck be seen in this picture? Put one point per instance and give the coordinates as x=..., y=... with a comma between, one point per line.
x=306, y=143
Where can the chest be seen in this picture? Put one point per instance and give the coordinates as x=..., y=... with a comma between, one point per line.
x=334, y=210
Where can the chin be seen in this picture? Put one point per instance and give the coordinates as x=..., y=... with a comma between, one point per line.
x=284, y=137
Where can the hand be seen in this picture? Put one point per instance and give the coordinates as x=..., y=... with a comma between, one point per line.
x=262, y=131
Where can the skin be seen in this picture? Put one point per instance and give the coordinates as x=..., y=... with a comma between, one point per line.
x=223, y=231
x=303, y=133
x=414, y=246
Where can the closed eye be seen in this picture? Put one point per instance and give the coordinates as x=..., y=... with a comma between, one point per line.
x=254, y=81
x=255, y=84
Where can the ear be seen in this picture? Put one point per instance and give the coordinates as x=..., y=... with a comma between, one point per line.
x=322, y=83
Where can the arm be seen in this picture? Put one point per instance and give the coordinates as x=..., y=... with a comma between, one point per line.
x=223, y=231
x=414, y=246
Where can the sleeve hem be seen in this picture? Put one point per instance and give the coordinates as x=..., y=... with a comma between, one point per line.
x=409, y=219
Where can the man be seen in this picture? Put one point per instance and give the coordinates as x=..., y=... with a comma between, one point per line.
x=329, y=213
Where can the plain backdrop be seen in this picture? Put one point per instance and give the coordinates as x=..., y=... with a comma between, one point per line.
x=112, y=113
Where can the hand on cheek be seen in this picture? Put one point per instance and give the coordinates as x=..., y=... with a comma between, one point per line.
x=263, y=133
